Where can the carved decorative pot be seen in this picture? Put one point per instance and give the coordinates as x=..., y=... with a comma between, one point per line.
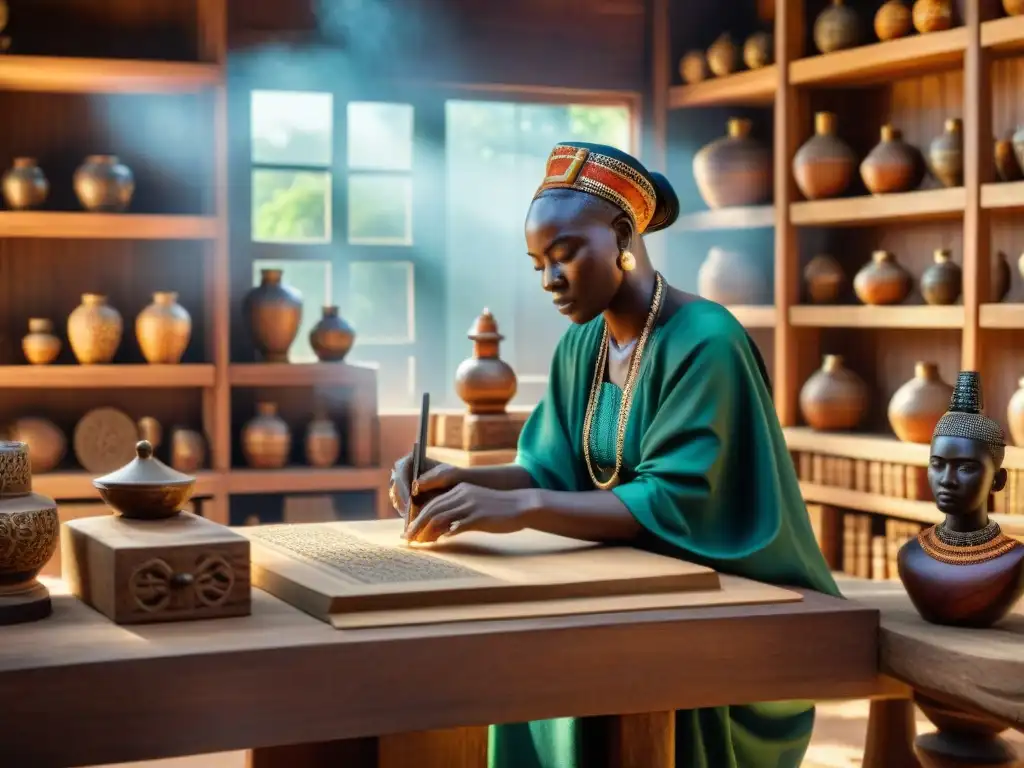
x=323, y=443
x=332, y=337
x=824, y=165
x=892, y=166
x=94, y=330
x=485, y=382
x=1015, y=414
x=46, y=443
x=834, y=397
x=825, y=280
x=734, y=277
x=40, y=345
x=917, y=406
x=836, y=28
x=946, y=154
x=723, y=56
x=693, y=67
x=735, y=169
x=266, y=439
x=933, y=15
x=759, y=50
x=1000, y=277
x=942, y=282
x=882, y=280
x=104, y=183
x=24, y=184
x=893, y=20
x=1007, y=167
x=274, y=312
x=163, y=329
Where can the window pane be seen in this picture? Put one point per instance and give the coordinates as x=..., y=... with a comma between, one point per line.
x=380, y=303
x=313, y=280
x=292, y=128
x=291, y=206
x=379, y=136
x=379, y=209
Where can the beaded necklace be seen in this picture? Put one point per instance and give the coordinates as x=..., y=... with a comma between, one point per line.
x=965, y=548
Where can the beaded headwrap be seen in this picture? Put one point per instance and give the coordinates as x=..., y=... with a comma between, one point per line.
x=965, y=418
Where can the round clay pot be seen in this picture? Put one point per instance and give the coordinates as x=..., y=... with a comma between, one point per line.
x=933, y=15
x=188, y=450
x=40, y=345
x=25, y=185
x=946, y=154
x=332, y=337
x=1015, y=414
x=1007, y=167
x=266, y=439
x=837, y=27
x=825, y=280
x=893, y=20
x=693, y=67
x=46, y=443
x=759, y=50
x=823, y=166
x=94, y=330
x=723, y=56
x=1000, y=277
x=323, y=443
x=273, y=311
x=734, y=277
x=892, y=166
x=485, y=382
x=163, y=329
x=735, y=169
x=834, y=397
x=882, y=280
x=917, y=406
x=104, y=183
x=942, y=282
x=1013, y=7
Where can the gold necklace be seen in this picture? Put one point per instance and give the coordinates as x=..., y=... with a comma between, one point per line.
x=627, y=391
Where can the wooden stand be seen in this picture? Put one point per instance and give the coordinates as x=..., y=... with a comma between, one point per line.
x=963, y=740
x=468, y=440
x=23, y=605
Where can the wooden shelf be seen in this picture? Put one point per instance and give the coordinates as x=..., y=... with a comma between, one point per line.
x=62, y=486
x=115, y=376
x=1002, y=316
x=738, y=217
x=882, y=62
x=106, y=226
x=923, y=205
x=754, y=87
x=305, y=480
x=74, y=75
x=300, y=375
x=1007, y=196
x=860, y=316
x=1004, y=36
x=753, y=316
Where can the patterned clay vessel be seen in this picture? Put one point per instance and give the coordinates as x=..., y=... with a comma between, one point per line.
x=1007, y=167
x=893, y=20
x=693, y=67
x=825, y=280
x=266, y=439
x=29, y=530
x=1015, y=414
x=332, y=337
x=946, y=154
x=104, y=183
x=917, y=406
x=882, y=280
x=46, y=443
x=94, y=330
x=25, y=185
x=734, y=277
x=933, y=15
x=824, y=165
x=40, y=345
x=323, y=443
x=892, y=166
x=735, y=169
x=1000, y=277
x=485, y=382
x=759, y=50
x=273, y=311
x=942, y=282
x=723, y=56
x=837, y=27
x=163, y=329
x=834, y=397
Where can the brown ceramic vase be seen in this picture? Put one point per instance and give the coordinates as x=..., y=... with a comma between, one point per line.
x=942, y=282
x=332, y=337
x=834, y=397
x=25, y=185
x=323, y=443
x=735, y=169
x=933, y=15
x=893, y=20
x=485, y=382
x=273, y=311
x=824, y=165
x=892, y=166
x=837, y=27
x=40, y=345
x=94, y=330
x=917, y=406
x=734, y=277
x=882, y=280
x=163, y=329
x=946, y=154
x=104, y=183
x=824, y=279
x=723, y=56
x=266, y=439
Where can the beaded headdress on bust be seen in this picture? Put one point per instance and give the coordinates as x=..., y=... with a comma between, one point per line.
x=965, y=418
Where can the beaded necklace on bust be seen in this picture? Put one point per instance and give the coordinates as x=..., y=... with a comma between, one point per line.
x=965, y=548
x=628, y=388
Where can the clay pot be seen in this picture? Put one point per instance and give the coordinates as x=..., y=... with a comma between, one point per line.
x=40, y=345
x=882, y=280
x=759, y=50
x=1007, y=167
x=25, y=185
x=917, y=406
x=104, y=183
x=946, y=154
x=735, y=169
x=266, y=439
x=332, y=337
x=188, y=450
x=823, y=167
x=1000, y=277
x=323, y=443
x=723, y=56
x=1013, y=7
x=163, y=329
x=734, y=277
x=892, y=166
x=273, y=311
x=893, y=20
x=834, y=397
x=94, y=330
x=837, y=27
x=942, y=282
x=1015, y=414
x=47, y=444
x=693, y=67
x=825, y=280
x=933, y=15
x=485, y=382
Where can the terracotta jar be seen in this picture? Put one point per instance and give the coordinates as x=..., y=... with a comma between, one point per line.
x=734, y=277
x=823, y=166
x=933, y=15
x=825, y=280
x=323, y=443
x=1007, y=167
x=942, y=282
x=735, y=169
x=273, y=311
x=104, y=183
x=40, y=345
x=25, y=185
x=332, y=337
x=723, y=56
x=1015, y=414
x=485, y=382
x=1013, y=7
x=47, y=444
x=94, y=330
x=882, y=280
x=693, y=67
x=946, y=154
x=759, y=50
x=266, y=439
x=893, y=20
x=163, y=329
x=1000, y=277
x=836, y=28
x=834, y=397
x=188, y=450
x=892, y=166
x=917, y=406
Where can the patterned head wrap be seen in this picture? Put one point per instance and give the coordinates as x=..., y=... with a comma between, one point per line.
x=965, y=418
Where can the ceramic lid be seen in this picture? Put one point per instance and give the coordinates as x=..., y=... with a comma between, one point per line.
x=144, y=470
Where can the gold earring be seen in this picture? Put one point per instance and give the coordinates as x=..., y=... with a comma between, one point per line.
x=627, y=261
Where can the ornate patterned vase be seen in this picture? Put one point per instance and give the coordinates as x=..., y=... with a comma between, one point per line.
x=94, y=330
x=163, y=329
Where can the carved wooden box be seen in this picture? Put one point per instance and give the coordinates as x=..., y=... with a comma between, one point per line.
x=138, y=571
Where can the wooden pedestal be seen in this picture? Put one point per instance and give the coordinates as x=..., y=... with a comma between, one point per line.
x=963, y=740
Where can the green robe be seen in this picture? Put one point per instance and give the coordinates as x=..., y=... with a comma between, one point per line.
x=707, y=474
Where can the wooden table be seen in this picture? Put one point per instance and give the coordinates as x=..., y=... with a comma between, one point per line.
x=79, y=690
x=968, y=682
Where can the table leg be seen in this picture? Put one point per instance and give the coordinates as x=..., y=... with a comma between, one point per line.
x=890, y=740
x=642, y=741
x=963, y=739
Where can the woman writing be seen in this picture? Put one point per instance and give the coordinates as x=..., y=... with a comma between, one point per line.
x=657, y=429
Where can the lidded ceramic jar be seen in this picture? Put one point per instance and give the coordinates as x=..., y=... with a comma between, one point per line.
x=266, y=439
x=40, y=345
x=836, y=28
x=94, y=330
x=332, y=337
x=145, y=488
x=917, y=406
x=882, y=280
x=273, y=311
x=24, y=184
x=723, y=56
x=942, y=282
x=824, y=165
x=893, y=20
x=104, y=183
x=892, y=166
x=734, y=277
x=946, y=154
x=824, y=279
x=834, y=397
x=735, y=169
x=163, y=329
x=485, y=382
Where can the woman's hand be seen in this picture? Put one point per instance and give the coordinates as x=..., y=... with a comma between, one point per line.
x=435, y=478
x=468, y=508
